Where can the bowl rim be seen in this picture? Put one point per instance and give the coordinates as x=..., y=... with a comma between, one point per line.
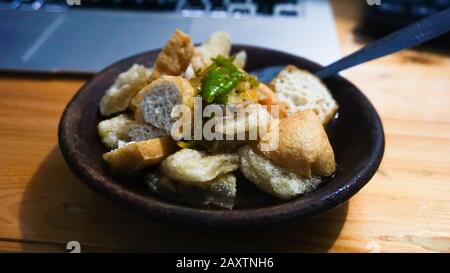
x=178, y=213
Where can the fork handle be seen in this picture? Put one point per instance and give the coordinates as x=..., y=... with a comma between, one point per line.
x=409, y=36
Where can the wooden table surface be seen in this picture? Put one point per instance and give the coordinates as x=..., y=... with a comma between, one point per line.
x=405, y=207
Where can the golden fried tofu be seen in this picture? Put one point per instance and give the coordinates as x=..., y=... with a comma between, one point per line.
x=174, y=57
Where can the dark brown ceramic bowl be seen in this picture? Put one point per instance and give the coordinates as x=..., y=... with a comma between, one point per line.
x=356, y=136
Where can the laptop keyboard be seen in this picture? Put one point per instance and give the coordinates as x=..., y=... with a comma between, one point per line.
x=216, y=8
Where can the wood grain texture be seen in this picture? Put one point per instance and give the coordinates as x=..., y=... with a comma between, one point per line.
x=406, y=206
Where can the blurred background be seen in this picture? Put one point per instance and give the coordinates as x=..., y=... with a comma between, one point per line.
x=43, y=206
x=83, y=36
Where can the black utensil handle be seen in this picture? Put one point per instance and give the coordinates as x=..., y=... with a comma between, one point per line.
x=412, y=35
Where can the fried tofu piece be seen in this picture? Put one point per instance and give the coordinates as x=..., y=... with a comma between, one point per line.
x=174, y=57
x=301, y=145
x=135, y=156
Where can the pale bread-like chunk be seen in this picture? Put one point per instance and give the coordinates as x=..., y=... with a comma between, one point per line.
x=302, y=147
x=126, y=86
x=192, y=166
x=300, y=90
x=174, y=57
x=115, y=129
x=273, y=179
x=135, y=156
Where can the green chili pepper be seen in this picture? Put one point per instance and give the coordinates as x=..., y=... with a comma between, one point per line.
x=220, y=78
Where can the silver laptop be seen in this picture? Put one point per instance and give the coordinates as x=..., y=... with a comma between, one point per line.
x=84, y=36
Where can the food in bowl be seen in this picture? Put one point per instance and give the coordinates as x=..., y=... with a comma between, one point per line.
x=196, y=118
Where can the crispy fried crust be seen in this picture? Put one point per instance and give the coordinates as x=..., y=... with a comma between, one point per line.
x=250, y=118
x=303, y=146
x=192, y=166
x=126, y=86
x=114, y=129
x=271, y=178
x=133, y=157
x=174, y=57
